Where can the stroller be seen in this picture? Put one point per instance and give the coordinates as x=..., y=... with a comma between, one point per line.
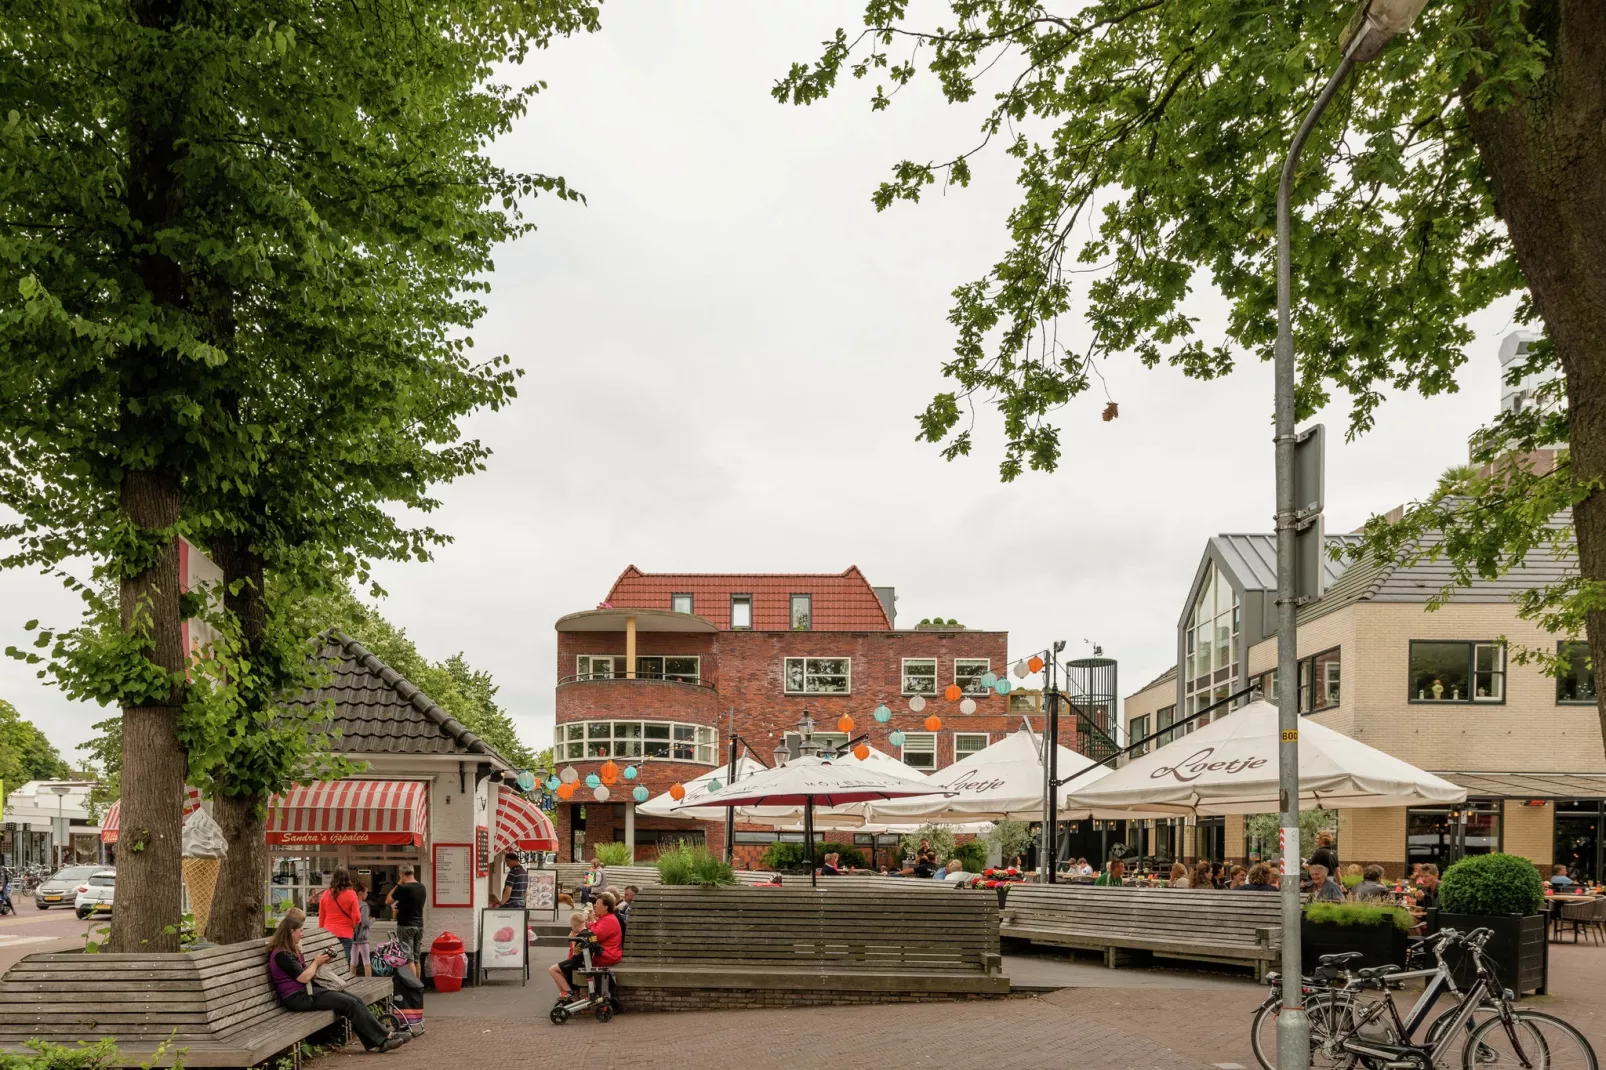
x=599, y=996
x=403, y=1010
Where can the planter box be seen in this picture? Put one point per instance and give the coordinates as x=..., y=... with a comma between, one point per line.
x=1519, y=948
x=1382, y=943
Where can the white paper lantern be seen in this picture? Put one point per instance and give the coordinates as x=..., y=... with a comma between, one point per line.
x=917, y=704
x=568, y=776
x=601, y=792
x=968, y=706
x=1021, y=670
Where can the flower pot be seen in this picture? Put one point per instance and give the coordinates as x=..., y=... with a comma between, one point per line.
x=1382, y=943
x=1519, y=949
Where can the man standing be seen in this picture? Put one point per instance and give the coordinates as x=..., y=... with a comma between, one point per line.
x=516, y=882
x=407, y=900
x=1324, y=855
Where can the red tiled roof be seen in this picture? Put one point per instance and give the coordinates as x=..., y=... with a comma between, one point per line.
x=840, y=602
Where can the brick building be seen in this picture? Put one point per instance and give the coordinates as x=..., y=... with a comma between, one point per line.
x=659, y=674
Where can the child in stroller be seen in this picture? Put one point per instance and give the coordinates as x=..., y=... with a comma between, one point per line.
x=592, y=949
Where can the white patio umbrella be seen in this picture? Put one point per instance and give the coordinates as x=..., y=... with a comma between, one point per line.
x=1230, y=767
x=809, y=782
x=1004, y=782
x=694, y=807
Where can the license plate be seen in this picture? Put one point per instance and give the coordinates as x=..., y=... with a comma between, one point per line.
x=52, y=898
x=103, y=906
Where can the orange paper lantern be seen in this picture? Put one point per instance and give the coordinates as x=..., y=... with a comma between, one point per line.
x=566, y=791
x=844, y=724
x=861, y=752
x=609, y=778
x=1034, y=663
x=677, y=792
x=933, y=723
x=609, y=769
x=953, y=693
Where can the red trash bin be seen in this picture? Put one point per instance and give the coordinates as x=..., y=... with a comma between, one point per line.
x=448, y=965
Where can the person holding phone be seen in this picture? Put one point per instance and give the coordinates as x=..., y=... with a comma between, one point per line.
x=294, y=980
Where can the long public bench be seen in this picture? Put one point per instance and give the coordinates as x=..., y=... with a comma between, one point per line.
x=212, y=1007
x=1232, y=927
x=770, y=946
x=571, y=875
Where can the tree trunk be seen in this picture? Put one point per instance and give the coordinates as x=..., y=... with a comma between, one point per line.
x=152, y=813
x=1546, y=159
x=237, y=909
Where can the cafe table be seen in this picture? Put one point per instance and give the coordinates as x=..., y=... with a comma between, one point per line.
x=1554, y=903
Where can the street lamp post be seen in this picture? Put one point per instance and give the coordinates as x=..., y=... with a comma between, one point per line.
x=60, y=827
x=1373, y=24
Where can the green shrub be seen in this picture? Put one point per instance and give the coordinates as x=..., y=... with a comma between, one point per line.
x=972, y=853
x=613, y=854
x=941, y=837
x=694, y=865
x=1350, y=880
x=1493, y=885
x=42, y=1055
x=1358, y=914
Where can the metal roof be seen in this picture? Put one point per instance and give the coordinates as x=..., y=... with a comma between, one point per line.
x=1252, y=558
x=1532, y=785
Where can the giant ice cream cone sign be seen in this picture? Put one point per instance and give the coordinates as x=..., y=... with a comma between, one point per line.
x=203, y=850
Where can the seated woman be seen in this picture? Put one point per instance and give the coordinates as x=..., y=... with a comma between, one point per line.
x=605, y=929
x=293, y=982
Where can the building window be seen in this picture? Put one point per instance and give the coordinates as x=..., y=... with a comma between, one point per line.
x=1024, y=702
x=680, y=603
x=1575, y=683
x=596, y=666
x=1319, y=678
x=1210, y=662
x=919, y=676
x=1162, y=721
x=968, y=673
x=1457, y=672
x=599, y=740
x=1445, y=835
x=818, y=676
x=1138, y=729
x=968, y=743
x=685, y=669
x=920, y=750
x=802, y=612
x=741, y=611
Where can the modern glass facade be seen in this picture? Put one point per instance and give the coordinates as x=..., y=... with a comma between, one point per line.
x=1210, y=659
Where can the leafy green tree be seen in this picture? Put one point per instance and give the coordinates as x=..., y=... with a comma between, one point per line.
x=1460, y=167
x=25, y=753
x=213, y=212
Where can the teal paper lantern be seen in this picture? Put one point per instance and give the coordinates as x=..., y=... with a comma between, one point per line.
x=882, y=714
x=526, y=781
x=714, y=785
x=593, y=780
x=631, y=772
x=988, y=679
x=896, y=738
x=640, y=794
x=553, y=783
x=1002, y=687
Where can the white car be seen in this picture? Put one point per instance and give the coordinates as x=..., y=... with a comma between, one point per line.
x=95, y=894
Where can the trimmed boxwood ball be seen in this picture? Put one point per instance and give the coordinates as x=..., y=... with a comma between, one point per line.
x=1492, y=885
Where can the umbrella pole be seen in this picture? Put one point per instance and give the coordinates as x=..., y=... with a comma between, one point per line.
x=808, y=839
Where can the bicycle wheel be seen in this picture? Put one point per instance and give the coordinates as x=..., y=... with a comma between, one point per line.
x=1534, y=1041
x=1329, y=1012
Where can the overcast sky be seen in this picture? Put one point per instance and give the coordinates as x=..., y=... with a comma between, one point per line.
x=725, y=351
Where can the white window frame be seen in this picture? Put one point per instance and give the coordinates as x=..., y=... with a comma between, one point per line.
x=696, y=675
x=904, y=676
x=702, y=740
x=585, y=668
x=786, y=676
x=975, y=686
x=986, y=741
x=691, y=602
x=791, y=612
x=906, y=752
x=747, y=600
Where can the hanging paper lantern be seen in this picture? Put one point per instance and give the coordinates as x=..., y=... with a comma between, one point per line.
x=933, y=723
x=566, y=790
x=593, y=780
x=640, y=794
x=953, y=692
x=1021, y=670
x=988, y=679
x=609, y=769
x=861, y=752
x=844, y=724
x=525, y=780
x=896, y=738
x=631, y=772
x=568, y=776
x=968, y=706
x=553, y=783
x=677, y=791
x=1035, y=663
x=917, y=704
x=602, y=793
x=882, y=714
x=1003, y=687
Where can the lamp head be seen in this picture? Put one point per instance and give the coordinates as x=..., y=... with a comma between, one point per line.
x=1374, y=23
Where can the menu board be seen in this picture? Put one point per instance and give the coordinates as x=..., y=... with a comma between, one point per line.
x=482, y=855
x=453, y=875
x=543, y=891
x=504, y=941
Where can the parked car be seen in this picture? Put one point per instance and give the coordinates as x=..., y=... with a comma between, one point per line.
x=62, y=886
x=95, y=894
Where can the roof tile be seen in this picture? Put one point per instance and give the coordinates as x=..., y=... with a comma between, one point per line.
x=842, y=602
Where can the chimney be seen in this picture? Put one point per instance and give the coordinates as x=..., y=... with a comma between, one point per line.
x=889, y=603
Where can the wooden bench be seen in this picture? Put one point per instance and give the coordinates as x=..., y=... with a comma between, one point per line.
x=571, y=875
x=830, y=940
x=216, y=1004
x=1233, y=927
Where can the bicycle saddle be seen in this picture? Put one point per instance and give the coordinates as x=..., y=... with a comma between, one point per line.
x=1373, y=972
x=1342, y=959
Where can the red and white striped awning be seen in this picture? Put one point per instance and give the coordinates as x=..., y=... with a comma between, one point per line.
x=114, y=813
x=393, y=812
x=521, y=825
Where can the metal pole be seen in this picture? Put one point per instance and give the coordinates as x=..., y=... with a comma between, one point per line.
x=730, y=812
x=1051, y=763
x=808, y=839
x=1293, y=1026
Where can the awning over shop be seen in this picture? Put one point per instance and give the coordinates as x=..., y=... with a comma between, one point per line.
x=114, y=814
x=1532, y=785
x=379, y=812
x=521, y=825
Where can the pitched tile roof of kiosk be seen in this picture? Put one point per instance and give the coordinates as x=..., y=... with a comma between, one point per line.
x=379, y=711
x=839, y=602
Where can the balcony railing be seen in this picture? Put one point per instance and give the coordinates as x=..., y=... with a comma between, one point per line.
x=620, y=678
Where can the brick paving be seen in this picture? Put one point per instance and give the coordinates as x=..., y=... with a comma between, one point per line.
x=1143, y=1028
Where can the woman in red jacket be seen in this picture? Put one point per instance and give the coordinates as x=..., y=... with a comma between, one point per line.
x=339, y=909
x=610, y=937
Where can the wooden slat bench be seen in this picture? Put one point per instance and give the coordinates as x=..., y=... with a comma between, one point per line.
x=1233, y=927
x=216, y=1004
x=827, y=940
x=571, y=876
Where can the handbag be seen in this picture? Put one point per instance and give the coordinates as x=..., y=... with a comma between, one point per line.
x=327, y=977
